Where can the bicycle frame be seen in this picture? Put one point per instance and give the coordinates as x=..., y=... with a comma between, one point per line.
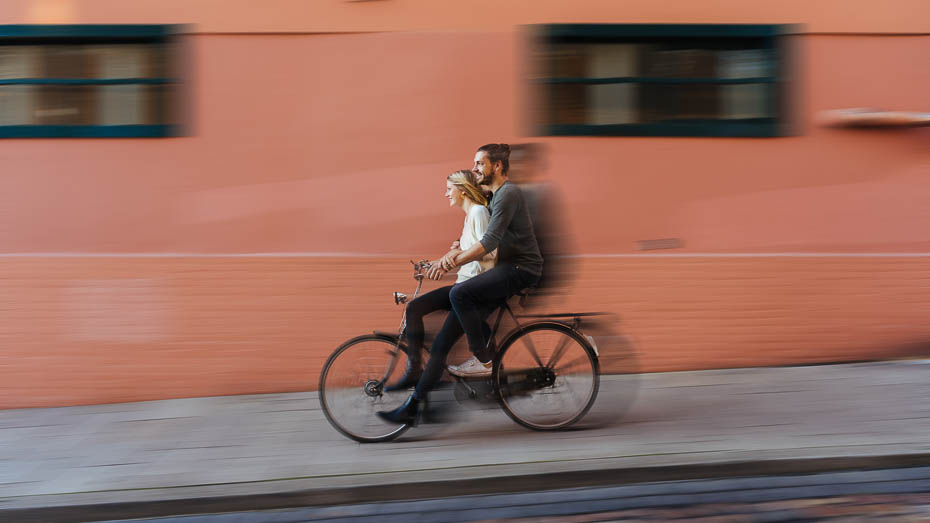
x=351, y=393
x=399, y=298
x=505, y=307
x=418, y=274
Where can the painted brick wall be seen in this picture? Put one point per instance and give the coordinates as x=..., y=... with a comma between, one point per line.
x=79, y=330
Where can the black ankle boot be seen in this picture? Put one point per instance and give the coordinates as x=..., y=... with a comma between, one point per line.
x=406, y=413
x=410, y=378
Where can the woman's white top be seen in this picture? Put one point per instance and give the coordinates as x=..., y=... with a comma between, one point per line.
x=476, y=223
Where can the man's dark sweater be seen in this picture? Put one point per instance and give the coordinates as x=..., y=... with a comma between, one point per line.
x=510, y=230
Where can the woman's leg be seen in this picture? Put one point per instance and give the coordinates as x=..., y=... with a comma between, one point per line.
x=434, y=300
x=437, y=299
x=450, y=333
x=407, y=413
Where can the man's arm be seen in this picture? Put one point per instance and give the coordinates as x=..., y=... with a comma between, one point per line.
x=438, y=267
x=448, y=259
x=475, y=252
x=503, y=208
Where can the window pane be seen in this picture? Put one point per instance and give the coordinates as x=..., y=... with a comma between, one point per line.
x=121, y=105
x=567, y=61
x=16, y=104
x=567, y=104
x=744, y=63
x=160, y=107
x=611, y=60
x=612, y=104
x=120, y=61
x=680, y=81
x=136, y=104
x=65, y=105
x=159, y=56
x=678, y=102
x=18, y=61
x=745, y=101
x=591, y=60
x=66, y=61
x=664, y=62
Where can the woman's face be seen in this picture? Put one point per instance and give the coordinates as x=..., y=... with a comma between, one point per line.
x=454, y=194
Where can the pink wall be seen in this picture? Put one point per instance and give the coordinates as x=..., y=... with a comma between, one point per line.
x=248, y=16
x=305, y=143
x=335, y=146
x=340, y=143
x=83, y=330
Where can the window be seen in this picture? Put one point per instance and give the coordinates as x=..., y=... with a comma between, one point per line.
x=88, y=81
x=660, y=80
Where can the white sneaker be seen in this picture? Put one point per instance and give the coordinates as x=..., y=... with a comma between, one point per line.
x=472, y=368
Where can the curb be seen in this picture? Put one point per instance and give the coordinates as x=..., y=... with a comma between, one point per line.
x=449, y=488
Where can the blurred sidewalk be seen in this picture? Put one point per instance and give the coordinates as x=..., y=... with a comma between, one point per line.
x=742, y=420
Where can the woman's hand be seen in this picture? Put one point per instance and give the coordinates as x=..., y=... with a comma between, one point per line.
x=455, y=246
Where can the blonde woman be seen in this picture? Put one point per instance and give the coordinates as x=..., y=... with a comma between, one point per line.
x=462, y=191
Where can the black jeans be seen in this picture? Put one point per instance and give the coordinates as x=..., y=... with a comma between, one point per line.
x=450, y=333
x=434, y=300
x=474, y=298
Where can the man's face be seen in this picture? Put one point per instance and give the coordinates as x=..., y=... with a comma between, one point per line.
x=483, y=168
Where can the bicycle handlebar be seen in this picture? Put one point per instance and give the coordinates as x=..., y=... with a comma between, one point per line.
x=420, y=267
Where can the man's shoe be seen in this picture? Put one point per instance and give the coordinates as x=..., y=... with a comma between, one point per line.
x=406, y=413
x=473, y=368
x=410, y=378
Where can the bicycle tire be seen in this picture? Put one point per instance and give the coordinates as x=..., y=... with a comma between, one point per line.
x=509, y=368
x=360, y=422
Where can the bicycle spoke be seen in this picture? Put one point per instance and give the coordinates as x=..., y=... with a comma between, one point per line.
x=351, y=388
x=557, y=354
x=390, y=370
x=553, y=396
x=529, y=345
x=571, y=364
x=571, y=389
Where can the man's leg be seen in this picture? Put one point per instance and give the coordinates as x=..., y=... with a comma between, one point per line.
x=473, y=298
x=487, y=350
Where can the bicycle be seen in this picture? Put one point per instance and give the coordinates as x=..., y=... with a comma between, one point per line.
x=545, y=374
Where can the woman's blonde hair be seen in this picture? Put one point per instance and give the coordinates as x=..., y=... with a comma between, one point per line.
x=467, y=182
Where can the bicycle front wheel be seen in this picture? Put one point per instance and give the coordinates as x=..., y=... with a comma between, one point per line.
x=546, y=376
x=352, y=387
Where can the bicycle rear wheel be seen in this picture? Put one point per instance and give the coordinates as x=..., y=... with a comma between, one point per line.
x=546, y=376
x=352, y=387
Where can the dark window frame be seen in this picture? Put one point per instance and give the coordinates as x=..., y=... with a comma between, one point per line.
x=92, y=34
x=770, y=35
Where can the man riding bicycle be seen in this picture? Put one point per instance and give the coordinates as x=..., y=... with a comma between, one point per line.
x=519, y=266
